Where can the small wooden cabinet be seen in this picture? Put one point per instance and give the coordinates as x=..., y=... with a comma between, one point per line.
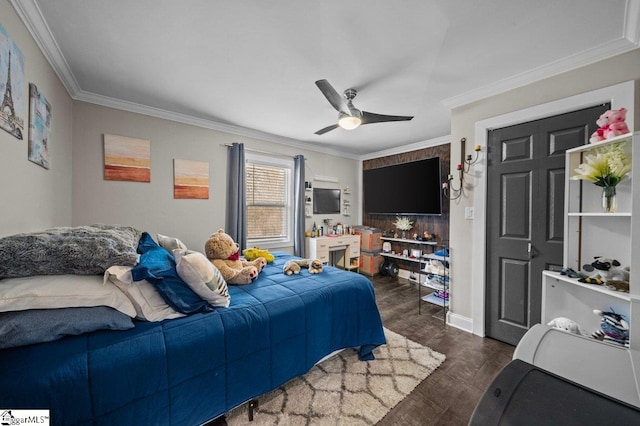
x=339, y=250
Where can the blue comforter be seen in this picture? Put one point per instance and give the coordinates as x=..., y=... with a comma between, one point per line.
x=190, y=370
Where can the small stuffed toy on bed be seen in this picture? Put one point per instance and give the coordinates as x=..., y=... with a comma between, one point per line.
x=294, y=266
x=254, y=253
x=314, y=265
x=291, y=267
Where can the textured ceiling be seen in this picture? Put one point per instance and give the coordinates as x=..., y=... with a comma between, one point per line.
x=249, y=66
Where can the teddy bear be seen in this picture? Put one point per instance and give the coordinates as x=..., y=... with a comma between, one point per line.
x=294, y=266
x=255, y=252
x=611, y=124
x=223, y=252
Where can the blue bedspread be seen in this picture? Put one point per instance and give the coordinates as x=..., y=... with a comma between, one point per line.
x=190, y=370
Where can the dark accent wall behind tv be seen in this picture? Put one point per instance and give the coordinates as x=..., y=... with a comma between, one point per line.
x=434, y=224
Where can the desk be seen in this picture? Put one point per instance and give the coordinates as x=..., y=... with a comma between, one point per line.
x=326, y=248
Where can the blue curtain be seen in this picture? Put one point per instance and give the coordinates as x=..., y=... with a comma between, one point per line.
x=235, y=223
x=298, y=206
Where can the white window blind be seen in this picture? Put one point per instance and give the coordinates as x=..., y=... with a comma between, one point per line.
x=268, y=201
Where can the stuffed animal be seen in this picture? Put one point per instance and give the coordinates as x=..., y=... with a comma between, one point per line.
x=603, y=269
x=291, y=267
x=611, y=124
x=255, y=252
x=566, y=324
x=294, y=266
x=613, y=328
x=223, y=252
x=314, y=265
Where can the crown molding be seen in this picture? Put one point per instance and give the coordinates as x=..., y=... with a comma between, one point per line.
x=119, y=104
x=604, y=51
x=31, y=16
x=629, y=40
x=407, y=148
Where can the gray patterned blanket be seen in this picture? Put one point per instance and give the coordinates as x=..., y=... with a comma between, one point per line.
x=81, y=250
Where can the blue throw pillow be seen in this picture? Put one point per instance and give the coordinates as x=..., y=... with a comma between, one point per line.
x=158, y=267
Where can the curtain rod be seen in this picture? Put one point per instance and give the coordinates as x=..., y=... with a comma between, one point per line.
x=257, y=151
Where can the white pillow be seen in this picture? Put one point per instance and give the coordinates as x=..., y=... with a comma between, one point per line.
x=149, y=304
x=202, y=277
x=61, y=291
x=170, y=243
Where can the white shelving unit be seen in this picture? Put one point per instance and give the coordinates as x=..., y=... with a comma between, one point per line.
x=590, y=233
x=422, y=277
x=308, y=202
x=346, y=202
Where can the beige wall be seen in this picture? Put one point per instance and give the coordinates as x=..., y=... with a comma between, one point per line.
x=33, y=197
x=602, y=74
x=151, y=206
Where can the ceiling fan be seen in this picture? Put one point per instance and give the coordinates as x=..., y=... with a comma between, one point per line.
x=349, y=117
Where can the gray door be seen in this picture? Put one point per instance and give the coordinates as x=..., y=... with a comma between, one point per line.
x=525, y=211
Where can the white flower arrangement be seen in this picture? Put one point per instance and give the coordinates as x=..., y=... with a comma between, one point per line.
x=606, y=168
x=403, y=223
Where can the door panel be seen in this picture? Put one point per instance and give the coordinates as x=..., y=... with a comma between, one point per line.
x=514, y=272
x=525, y=215
x=516, y=149
x=555, y=205
x=516, y=191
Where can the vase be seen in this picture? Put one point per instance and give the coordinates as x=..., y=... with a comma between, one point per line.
x=404, y=234
x=609, y=200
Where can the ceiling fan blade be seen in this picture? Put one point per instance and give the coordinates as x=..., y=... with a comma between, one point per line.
x=370, y=117
x=334, y=98
x=326, y=129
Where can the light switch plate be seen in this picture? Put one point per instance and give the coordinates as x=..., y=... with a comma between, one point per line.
x=468, y=213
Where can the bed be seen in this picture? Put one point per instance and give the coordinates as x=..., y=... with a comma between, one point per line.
x=194, y=368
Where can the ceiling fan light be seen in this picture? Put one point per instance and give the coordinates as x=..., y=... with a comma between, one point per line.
x=349, y=122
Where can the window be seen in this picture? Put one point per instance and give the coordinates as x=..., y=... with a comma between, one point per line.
x=269, y=200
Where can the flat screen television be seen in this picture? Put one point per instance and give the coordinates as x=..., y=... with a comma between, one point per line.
x=412, y=188
x=326, y=201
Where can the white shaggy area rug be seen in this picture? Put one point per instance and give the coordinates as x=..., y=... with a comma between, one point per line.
x=343, y=390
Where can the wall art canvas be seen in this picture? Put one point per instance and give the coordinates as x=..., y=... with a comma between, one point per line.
x=12, y=87
x=190, y=179
x=127, y=159
x=39, y=127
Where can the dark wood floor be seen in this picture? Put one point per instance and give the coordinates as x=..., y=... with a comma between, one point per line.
x=449, y=395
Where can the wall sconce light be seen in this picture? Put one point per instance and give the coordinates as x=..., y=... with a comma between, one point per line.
x=464, y=167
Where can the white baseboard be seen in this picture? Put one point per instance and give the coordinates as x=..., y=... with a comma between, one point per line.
x=458, y=321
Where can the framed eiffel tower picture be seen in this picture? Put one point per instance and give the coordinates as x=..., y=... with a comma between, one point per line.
x=12, y=88
x=39, y=127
